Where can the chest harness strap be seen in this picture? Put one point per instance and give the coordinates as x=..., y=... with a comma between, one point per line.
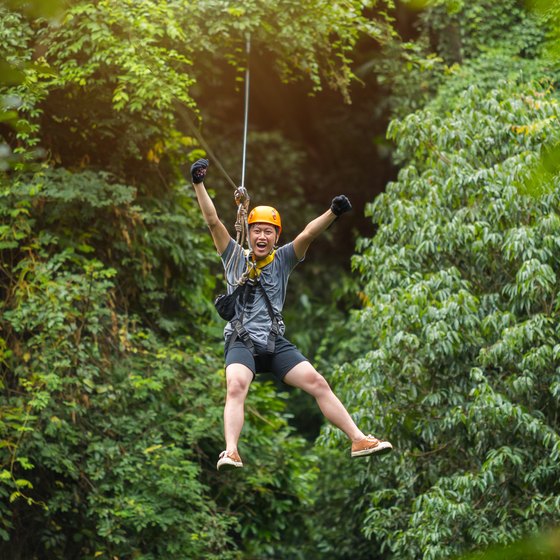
x=249, y=292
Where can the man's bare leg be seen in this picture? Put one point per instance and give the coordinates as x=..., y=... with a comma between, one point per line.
x=238, y=380
x=306, y=377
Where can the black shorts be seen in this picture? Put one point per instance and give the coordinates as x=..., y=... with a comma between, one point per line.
x=285, y=357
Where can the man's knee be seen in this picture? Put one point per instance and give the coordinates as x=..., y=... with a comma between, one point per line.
x=318, y=384
x=237, y=387
x=238, y=380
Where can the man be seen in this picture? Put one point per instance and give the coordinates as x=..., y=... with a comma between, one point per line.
x=254, y=337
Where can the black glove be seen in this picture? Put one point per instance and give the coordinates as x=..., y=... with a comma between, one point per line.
x=340, y=204
x=198, y=170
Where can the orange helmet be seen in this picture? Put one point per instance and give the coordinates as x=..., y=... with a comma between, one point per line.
x=267, y=215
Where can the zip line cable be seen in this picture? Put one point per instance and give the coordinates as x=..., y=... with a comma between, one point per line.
x=246, y=120
x=198, y=135
x=241, y=196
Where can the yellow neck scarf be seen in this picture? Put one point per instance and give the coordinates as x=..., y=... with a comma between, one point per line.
x=255, y=270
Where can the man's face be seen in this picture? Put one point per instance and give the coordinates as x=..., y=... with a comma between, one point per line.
x=263, y=237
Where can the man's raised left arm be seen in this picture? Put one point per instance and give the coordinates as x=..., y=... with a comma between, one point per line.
x=340, y=204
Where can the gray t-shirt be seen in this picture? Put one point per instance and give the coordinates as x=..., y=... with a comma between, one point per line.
x=273, y=278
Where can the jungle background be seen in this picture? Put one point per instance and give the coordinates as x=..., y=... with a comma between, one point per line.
x=432, y=309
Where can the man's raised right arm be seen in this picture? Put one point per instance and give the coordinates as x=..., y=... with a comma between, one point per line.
x=219, y=232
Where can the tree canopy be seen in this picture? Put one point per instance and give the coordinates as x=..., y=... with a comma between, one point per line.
x=443, y=339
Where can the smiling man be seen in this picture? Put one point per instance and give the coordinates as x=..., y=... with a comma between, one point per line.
x=254, y=338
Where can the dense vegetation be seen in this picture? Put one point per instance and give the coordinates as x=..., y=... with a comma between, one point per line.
x=110, y=353
x=459, y=352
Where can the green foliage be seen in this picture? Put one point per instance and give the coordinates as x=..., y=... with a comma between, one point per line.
x=410, y=72
x=544, y=546
x=98, y=422
x=459, y=329
x=311, y=39
x=462, y=30
x=110, y=362
x=13, y=39
x=111, y=401
x=549, y=12
x=130, y=62
x=482, y=41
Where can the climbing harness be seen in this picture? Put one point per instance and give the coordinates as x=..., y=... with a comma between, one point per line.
x=239, y=332
x=245, y=293
x=276, y=319
x=225, y=303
